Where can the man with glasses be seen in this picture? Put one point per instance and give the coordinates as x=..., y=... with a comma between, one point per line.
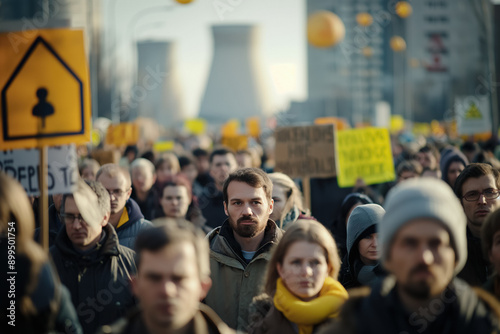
x=91, y=263
x=477, y=188
x=126, y=216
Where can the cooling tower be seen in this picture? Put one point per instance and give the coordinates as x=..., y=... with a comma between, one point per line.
x=236, y=87
x=157, y=92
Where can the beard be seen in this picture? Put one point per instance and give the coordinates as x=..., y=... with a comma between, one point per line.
x=418, y=289
x=246, y=231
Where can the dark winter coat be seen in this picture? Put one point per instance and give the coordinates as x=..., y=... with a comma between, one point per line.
x=459, y=309
x=477, y=268
x=53, y=310
x=97, y=281
x=206, y=321
x=148, y=206
x=136, y=222
x=234, y=281
x=55, y=226
x=211, y=203
x=265, y=318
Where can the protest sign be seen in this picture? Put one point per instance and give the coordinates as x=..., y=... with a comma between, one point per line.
x=305, y=151
x=23, y=165
x=363, y=153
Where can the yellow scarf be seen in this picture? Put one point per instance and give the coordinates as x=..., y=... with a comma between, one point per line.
x=307, y=314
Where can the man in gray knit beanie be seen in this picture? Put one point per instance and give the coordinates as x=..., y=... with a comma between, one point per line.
x=423, y=245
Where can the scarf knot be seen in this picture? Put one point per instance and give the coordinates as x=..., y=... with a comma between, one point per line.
x=307, y=314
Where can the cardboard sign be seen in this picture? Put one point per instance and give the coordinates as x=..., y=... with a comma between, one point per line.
x=122, y=134
x=364, y=153
x=106, y=156
x=305, y=151
x=473, y=114
x=44, y=84
x=23, y=165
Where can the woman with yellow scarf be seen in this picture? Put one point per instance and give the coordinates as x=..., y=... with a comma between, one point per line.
x=301, y=284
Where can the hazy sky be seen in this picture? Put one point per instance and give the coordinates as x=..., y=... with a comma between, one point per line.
x=283, y=46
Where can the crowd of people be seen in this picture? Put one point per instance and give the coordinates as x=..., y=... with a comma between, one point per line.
x=214, y=241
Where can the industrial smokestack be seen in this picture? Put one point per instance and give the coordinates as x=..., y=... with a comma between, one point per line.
x=157, y=92
x=236, y=87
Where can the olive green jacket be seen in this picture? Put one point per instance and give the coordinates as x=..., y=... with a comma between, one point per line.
x=235, y=282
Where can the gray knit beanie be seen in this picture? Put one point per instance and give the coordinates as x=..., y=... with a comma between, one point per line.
x=424, y=198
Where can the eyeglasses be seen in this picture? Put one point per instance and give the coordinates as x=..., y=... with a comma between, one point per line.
x=69, y=218
x=474, y=195
x=116, y=192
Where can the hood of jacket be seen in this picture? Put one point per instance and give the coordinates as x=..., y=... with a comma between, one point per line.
x=134, y=213
x=222, y=240
x=108, y=246
x=450, y=156
x=363, y=220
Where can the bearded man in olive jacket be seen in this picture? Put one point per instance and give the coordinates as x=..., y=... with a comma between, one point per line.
x=240, y=248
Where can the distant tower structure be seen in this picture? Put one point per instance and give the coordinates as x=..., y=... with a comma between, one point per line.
x=236, y=87
x=157, y=93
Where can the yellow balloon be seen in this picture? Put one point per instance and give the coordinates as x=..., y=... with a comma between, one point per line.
x=324, y=29
x=403, y=9
x=367, y=51
x=364, y=19
x=184, y=2
x=398, y=44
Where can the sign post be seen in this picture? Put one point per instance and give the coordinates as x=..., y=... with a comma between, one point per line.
x=44, y=96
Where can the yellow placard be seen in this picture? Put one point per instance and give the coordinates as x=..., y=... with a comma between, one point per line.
x=253, y=127
x=163, y=146
x=230, y=128
x=195, y=126
x=363, y=153
x=236, y=143
x=122, y=134
x=96, y=138
x=397, y=123
x=44, y=82
x=423, y=129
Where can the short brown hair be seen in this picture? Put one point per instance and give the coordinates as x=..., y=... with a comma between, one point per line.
x=475, y=170
x=490, y=226
x=254, y=177
x=170, y=231
x=302, y=230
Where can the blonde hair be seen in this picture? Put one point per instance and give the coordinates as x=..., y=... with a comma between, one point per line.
x=302, y=230
x=16, y=212
x=172, y=159
x=293, y=194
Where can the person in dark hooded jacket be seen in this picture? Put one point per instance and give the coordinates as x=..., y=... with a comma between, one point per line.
x=339, y=229
x=91, y=263
x=452, y=163
x=361, y=264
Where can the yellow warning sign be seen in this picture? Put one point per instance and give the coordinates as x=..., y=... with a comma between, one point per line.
x=473, y=112
x=44, y=83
